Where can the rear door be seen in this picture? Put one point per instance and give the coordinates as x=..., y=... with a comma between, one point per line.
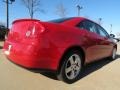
x=105, y=42
x=93, y=48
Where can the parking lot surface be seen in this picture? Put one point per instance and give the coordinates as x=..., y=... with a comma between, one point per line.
x=101, y=75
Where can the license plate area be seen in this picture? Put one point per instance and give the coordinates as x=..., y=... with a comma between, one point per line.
x=7, y=52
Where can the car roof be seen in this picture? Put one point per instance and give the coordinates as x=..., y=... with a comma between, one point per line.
x=73, y=21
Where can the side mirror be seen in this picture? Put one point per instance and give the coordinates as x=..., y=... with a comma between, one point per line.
x=112, y=35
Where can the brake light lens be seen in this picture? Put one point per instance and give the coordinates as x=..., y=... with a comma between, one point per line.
x=28, y=33
x=35, y=30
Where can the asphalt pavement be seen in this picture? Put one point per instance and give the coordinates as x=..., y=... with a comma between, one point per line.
x=101, y=75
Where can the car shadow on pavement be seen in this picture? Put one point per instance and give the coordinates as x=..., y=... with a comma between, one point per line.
x=1, y=47
x=94, y=66
x=117, y=56
x=49, y=74
x=88, y=69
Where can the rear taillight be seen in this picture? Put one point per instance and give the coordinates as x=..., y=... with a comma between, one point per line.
x=35, y=30
x=28, y=33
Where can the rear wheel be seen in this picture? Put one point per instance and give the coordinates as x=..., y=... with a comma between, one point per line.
x=71, y=68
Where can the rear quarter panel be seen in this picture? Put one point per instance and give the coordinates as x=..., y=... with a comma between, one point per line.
x=61, y=37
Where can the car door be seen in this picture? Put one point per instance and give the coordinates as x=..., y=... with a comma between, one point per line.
x=105, y=42
x=92, y=49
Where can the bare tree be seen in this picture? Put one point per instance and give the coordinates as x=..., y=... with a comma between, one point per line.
x=61, y=10
x=32, y=6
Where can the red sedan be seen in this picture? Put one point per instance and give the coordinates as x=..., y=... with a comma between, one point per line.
x=63, y=45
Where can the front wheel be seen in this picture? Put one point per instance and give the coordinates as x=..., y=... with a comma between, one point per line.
x=113, y=56
x=71, y=68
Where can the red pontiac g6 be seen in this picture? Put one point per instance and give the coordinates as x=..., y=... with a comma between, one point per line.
x=63, y=45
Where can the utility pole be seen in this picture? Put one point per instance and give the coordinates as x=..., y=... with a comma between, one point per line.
x=79, y=8
x=7, y=14
x=111, y=28
x=32, y=10
x=100, y=21
x=7, y=10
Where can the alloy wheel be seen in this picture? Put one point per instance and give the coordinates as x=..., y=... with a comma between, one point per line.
x=114, y=53
x=73, y=66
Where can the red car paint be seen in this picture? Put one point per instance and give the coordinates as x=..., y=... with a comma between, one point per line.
x=37, y=44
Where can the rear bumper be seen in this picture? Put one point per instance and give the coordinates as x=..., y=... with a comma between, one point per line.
x=29, y=57
x=30, y=63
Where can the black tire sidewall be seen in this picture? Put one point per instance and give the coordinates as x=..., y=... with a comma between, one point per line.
x=62, y=74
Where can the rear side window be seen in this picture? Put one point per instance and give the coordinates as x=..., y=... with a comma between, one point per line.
x=88, y=25
x=91, y=27
x=81, y=25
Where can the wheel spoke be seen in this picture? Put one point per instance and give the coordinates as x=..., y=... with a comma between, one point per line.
x=68, y=69
x=77, y=68
x=72, y=74
x=73, y=66
x=77, y=59
x=71, y=60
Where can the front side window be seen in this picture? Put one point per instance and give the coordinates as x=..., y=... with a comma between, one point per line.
x=88, y=25
x=102, y=32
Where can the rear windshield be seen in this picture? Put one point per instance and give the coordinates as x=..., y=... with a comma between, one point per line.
x=60, y=20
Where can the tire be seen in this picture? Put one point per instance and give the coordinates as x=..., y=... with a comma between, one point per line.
x=113, y=56
x=71, y=68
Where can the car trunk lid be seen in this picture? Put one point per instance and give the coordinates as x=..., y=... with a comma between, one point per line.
x=25, y=29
